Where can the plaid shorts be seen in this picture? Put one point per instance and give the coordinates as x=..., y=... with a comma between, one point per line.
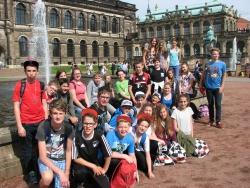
x=60, y=164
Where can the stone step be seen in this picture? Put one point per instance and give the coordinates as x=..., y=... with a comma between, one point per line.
x=8, y=135
x=10, y=165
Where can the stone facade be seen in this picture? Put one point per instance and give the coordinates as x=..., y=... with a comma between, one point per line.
x=189, y=26
x=12, y=29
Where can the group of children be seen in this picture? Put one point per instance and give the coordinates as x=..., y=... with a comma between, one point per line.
x=88, y=135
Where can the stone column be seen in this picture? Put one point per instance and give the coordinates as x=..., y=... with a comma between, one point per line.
x=191, y=27
x=121, y=53
x=201, y=48
x=147, y=33
x=181, y=28
x=191, y=48
x=89, y=53
x=201, y=27
x=223, y=46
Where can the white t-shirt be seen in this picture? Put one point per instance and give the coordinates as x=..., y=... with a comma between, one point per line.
x=184, y=119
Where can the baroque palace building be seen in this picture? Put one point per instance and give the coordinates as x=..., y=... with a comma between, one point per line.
x=189, y=25
x=79, y=31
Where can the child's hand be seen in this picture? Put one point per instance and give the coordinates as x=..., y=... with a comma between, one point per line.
x=129, y=159
x=97, y=170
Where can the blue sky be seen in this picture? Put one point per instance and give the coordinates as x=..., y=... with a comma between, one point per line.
x=241, y=5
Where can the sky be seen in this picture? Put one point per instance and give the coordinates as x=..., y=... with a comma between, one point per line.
x=241, y=5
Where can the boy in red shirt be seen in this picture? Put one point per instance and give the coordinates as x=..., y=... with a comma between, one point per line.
x=30, y=109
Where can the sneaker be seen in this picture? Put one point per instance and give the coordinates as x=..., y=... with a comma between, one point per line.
x=219, y=125
x=181, y=160
x=211, y=124
x=32, y=178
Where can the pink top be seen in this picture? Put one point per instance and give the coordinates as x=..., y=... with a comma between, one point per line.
x=79, y=88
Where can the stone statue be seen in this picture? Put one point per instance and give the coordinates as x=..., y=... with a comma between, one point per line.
x=210, y=40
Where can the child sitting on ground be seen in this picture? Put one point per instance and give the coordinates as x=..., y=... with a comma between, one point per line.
x=88, y=164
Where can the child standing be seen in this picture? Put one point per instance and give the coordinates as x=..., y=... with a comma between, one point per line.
x=213, y=79
x=183, y=124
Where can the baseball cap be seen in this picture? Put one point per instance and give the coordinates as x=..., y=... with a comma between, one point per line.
x=124, y=117
x=89, y=111
x=127, y=103
x=157, y=94
x=139, y=94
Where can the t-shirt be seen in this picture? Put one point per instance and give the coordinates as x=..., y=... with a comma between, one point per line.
x=213, y=74
x=121, y=145
x=183, y=119
x=145, y=144
x=184, y=81
x=158, y=75
x=90, y=149
x=31, y=108
x=79, y=88
x=92, y=91
x=139, y=82
x=121, y=87
x=167, y=102
x=55, y=139
x=174, y=57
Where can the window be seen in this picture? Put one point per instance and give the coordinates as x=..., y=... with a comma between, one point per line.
x=70, y=48
x=137, y=52
x=114, y=25
x=143, y=33
x=206, y=25
x=83, y=49
x=104, y=25
x=116, y=50
x=93, y=23
x=186, y=29
x=186, y=50
x=196, y=49
x=54, y=19
x=81, y=22
x=95, y=51
x=20, y=14
x=56, y=48
x=68, y=23
x=23, y=46
x=176, y=30
x=196, y=28
x=151, y=32
x=217, y=25
x=167, y=31
x=159, y=32
x=106, y=49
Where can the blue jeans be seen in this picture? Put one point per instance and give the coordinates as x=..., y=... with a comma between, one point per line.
x=214, y=100
x=176, y=71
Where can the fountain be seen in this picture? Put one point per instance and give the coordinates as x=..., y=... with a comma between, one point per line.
x=233, y=60
x=39, y=48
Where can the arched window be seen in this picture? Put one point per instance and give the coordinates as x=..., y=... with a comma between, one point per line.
x=104, y=25
x=151, y=32
x=186, y=50
x=186, y=29
x=167, y=31
x=196, y=28
x=83, y=48
x=70, y=48
x=93, y=23
x=159, y=32
x=20, y=14
x=56, y=48
x=106, y=49
x=241, y=46
x=54, y=18
x=68, y=22
x=95, y=51
x=116, y=50
x=114, y=25
x=137, y=52
x=196, y=49
x=23, y=46
x=176, y=30
x=217, y=45
x=81, y=22
x=206, y=25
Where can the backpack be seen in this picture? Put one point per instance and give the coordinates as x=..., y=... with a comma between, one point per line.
x=23, y=86
x=124, y=175
x=204, y=112
x=47, y=130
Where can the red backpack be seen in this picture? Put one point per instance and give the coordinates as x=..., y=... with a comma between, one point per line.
x=124, y=175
